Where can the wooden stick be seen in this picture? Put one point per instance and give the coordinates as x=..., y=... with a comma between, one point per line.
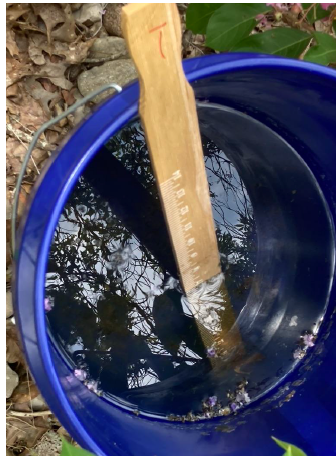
x=168, y=112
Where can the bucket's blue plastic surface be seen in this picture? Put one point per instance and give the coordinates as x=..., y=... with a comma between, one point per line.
x=297, y=101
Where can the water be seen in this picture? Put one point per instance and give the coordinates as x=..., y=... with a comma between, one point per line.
x=117, y=313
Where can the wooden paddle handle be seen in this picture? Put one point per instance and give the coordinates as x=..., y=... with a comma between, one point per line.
x=168, y=112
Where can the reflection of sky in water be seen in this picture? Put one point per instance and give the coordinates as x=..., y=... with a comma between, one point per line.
x=138, y=274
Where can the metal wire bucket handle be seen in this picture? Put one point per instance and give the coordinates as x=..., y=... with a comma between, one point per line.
x=36, y=136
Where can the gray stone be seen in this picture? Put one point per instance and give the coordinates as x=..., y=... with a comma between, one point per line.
x=118, y=71
x=12, y=381
x=112, y=19
x=106, y=49
x=88, y=12
x=9, y=305
x=50, y=444
x=38, y=404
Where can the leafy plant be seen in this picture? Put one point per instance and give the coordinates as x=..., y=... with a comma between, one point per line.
x=305, y=31
x=324, y=52
x=70, y=450
x=291, y=450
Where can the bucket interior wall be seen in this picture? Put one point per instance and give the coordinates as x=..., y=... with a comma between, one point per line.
x=111, y=265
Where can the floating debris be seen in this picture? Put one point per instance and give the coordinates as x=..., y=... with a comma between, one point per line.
x=212, y=401
x=234, y=407
x=92, y=385
x=306, y=341
x=299, y=353
x=80, y=374
x=211, y=352
x=47, y=305
x=293, y=321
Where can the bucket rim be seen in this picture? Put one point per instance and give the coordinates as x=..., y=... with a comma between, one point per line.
x=57, y=180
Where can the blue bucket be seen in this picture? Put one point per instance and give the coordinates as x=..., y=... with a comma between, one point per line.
x=278, y=119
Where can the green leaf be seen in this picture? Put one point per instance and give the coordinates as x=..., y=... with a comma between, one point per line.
x=198, y=15
x=279, y=41
x=315, y=14
x=231, y=23
x=325, y=50
x=69, y=450
x=291, y=450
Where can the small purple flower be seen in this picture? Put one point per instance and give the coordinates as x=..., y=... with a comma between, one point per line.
x=325, y=6
x=80, y=374
x=308, y=340
x=211, y=352
x=234, y=406
x=212, y=401
x=47, y=305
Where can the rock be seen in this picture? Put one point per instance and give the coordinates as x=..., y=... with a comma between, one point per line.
x=38, y=404
x=118, y=71
x=9, y=305
x=75, y=6
x=12, y=381
x=112, y=19
x=107, y=48
x=88, y=12
x=49, y=445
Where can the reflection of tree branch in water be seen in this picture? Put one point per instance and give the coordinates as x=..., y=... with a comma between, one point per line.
x=82, y=256
x=176, y=359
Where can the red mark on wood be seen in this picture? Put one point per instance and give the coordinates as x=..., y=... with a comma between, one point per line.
x=160, y=37
x=160, y=45
x=158, y=27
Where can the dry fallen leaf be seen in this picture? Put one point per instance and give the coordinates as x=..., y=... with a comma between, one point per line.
x=12, y=91
x=24, y=393
x=69, y=97
x=15, y=152
x=70, y=53
x=28, y=111
x=11, y=43
x=39, y=93
x=53, y=15
x=22, y=432
x=15, y=70
x=55, y=72
x=15, y=11
x=34, y=48
x=13, y=347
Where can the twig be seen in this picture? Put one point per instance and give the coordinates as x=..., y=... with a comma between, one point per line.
x=24, y=145
x=313, y=5
x=29, y=414
x=27, y=137
x=22, y=421
x=332, y=17
x=31, y=402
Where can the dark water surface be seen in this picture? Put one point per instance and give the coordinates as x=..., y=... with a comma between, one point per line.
x=117, y=312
